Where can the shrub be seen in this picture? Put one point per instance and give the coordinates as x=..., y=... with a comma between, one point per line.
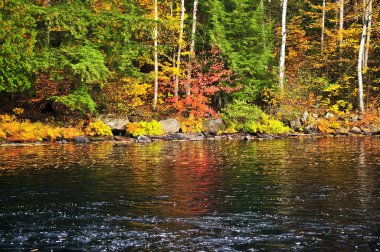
x=266, y=125
x=98, y=128
x=239, y=113
x=192, y=125
x=152, y=128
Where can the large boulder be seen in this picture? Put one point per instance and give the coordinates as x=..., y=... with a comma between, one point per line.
x=355, y=130
x=170, y=126
x=117, y=124
x=213, y=126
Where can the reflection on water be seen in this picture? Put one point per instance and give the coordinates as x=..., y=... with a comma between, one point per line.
x=295, y=194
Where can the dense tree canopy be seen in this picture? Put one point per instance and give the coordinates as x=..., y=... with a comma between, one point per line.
x=108, y=51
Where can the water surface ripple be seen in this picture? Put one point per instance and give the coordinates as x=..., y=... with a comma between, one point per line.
x=281, y=195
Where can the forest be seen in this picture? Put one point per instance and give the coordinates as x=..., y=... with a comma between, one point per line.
x=261, y=66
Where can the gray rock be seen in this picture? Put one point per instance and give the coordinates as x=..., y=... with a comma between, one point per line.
x=176, y=136
x=310, y=129
x=63, y=141
x=197, y=138
x=264, y=136
x=117, y=124
x=247, y=137
x=81, y=140
x=170, y=126
x=212, y=126
x=305, y=117
x=295, y=124
x=143, y=139
x=355, y=130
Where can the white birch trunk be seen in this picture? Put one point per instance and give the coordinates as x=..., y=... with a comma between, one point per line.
x=281, y=74
x=323, y=25
x=368, y=39
x=155, y=35
x=192, y=45
x=361, y=53
x=176, y=83
x=341, y=23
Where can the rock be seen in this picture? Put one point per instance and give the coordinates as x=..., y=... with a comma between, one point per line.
x=218, y=138
x=170, y=126
x=355, y=130
x=310, y=129
x=63, y=141
x=117, y=124
x=305, y=117
x=264, y=136
x=296, y=124
x=81, y=140
x=247, y=138
x=143, y=139
x=329, y=115
x=212, y=126
x=197, y=138
x=176, y=136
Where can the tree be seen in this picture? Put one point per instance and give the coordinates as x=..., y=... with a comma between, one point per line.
x=281, y=74
x=192, y=44
x=180, y=41
x=243, y=33
x=366, y=17
x=155, y=55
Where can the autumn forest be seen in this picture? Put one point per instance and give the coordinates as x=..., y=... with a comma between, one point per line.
x=270, y=66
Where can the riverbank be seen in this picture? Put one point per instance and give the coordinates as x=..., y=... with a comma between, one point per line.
x=176, y=137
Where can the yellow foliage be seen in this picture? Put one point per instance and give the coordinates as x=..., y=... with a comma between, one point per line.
x=192, y=125
x=70, y=133
x=18, y=111
x=152, y=128
x=98, y=128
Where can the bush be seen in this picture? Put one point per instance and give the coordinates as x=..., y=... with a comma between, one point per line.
x=98, y=128
x=25, y=131
x=192, y=125
x=239, y=113
x=266, y=125
x=152, y=128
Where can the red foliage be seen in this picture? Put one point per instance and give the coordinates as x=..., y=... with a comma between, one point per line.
x=209, y=76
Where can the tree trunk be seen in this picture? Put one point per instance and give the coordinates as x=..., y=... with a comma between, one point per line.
x=192, y=45
x=323, y=25
x=368, y=39
x=155, y=35
x=281, y=75
x=361, y=53
x=176, y=83
x=341, y=23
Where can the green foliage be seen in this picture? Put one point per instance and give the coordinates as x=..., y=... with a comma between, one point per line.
x=79, y=101
x=266, y=125
x=239, y=112
x=152, y=128
x=243, y=33
x=98, y=128
x=17, y=38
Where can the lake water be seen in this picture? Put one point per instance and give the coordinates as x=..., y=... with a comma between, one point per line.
x=278, y=195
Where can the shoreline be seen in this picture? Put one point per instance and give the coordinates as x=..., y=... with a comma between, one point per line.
x=183, y=137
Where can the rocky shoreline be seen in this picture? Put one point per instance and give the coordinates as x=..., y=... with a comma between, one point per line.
x=176, y=137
